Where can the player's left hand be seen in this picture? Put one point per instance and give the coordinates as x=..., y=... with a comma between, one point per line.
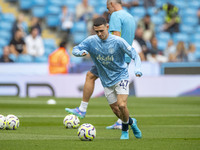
x=138, y=74
x=84, y=54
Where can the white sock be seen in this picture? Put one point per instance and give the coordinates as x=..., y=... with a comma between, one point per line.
x=119, y=121
x=83, y=106
x=125, y=122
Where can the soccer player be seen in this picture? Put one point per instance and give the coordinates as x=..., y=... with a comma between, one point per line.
x=108, y=54
x=121, y=24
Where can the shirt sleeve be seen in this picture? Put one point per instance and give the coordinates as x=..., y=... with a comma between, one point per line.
x=115, y=23
x=83, y=47
x=131, y=52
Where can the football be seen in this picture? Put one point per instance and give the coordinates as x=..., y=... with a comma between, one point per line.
x=71, y=121
x=12, y=122
x=2, y=122
x=86, y=132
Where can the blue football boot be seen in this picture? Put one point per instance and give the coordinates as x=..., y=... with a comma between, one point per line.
x=124, y=136
x=136, y=131
x=76, y=111
x=115, y=126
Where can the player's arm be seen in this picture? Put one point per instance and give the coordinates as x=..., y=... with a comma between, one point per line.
x=81, y=49
x=115, y=25
x=117, y=33
x=78, y=52
x=131, y=52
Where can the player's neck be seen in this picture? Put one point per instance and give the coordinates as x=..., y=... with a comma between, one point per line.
x=118, y=8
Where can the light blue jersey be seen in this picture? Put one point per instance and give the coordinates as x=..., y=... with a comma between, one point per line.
x=108, y=57
x=123, y=22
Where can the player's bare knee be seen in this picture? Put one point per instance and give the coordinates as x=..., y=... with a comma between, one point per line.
x=91, y=76
x=122, y=106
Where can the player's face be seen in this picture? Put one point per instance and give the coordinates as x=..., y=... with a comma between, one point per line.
x=102, y=31
x=110, y=8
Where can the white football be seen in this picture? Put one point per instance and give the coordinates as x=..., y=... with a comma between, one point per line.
x=71, y=121
x=86, y=132
x=2, y=122
x=12, y=122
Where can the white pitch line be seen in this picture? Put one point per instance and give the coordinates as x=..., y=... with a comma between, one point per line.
x=110, y=116
x=176, y=126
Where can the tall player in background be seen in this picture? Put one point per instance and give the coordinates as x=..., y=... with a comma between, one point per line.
x=121, y=24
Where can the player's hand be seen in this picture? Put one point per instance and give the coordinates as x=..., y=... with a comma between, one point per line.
x=138, y=74
x=84, y=54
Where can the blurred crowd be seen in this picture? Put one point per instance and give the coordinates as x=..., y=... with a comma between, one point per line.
x=28, y=41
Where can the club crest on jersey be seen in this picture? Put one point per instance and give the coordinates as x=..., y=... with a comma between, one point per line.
x=111, y=50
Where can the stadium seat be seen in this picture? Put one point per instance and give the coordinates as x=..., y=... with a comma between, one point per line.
x=40, y=59
x=180, y=37
x=38, y=11
x=190, y=21
x=195, y=4
x=6, y=26
x=1, y=51
x=137, y=18
x=188, y=12
x=24, y=58
x=49, y=44
x=79, y=26
x=72, y=3
x=79, y=37
x=57, y=3
x=197, y=54
x=102, y=3
x=48, y=51
x=163, y=36
x=151, y=10
x=197, y=29
x=157, y=19
x=53, y=10
x=100, y=10
x=159, y=3
x=12, y=0
x=25, y=4
x=195, y=37
x=13, y=57
x=39, y=2
x=162, y=45
x=93, y=3
x=5, y=35
x=138, y=11
x=187, y=29
x=3, y=42
x=7, y=17
x=181, y=4
x=197, y=45
x=52, y=21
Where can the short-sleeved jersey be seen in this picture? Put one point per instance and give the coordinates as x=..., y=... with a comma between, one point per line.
x=123, y=22
x=109, y=57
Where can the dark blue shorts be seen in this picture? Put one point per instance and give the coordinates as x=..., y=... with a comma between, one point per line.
x=94, y=70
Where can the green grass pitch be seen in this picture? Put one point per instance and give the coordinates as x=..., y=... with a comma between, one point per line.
x=166, y=124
